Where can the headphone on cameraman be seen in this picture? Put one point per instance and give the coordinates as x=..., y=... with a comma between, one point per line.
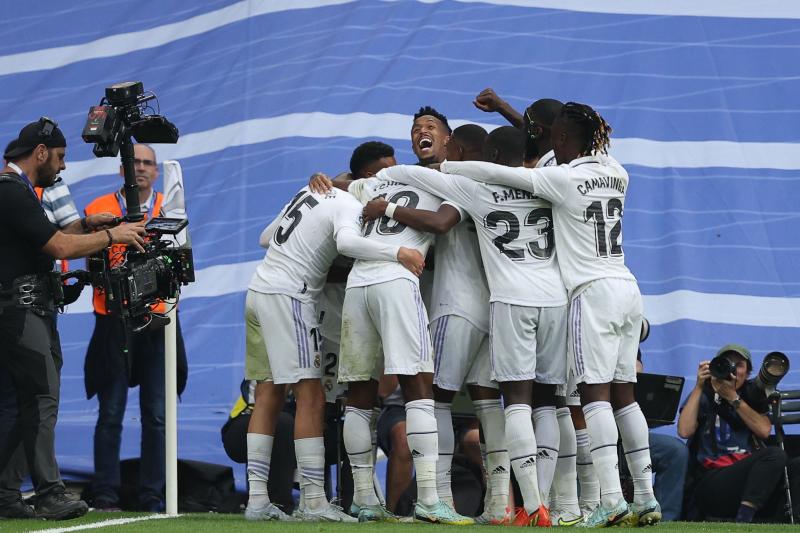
x=46, y=127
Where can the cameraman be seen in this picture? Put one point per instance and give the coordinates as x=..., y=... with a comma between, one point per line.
x=57, y=203
x=117, y=359
x=726, y=422
x=29, y=294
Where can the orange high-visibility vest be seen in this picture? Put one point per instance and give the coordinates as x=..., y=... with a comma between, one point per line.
x=64, y=263
x=110, y=204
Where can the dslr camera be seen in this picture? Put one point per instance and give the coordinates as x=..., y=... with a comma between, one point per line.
x=774, y=366
x=134, y=281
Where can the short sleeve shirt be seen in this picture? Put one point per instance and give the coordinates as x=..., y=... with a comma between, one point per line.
x=24, y=230
x=723, y=438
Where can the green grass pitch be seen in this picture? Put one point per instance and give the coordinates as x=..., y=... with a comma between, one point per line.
x=202, y=523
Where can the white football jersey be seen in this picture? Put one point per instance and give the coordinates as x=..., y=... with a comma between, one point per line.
x=515, y=234
x=588, y=198
x=459, y=282
x=547, y=160
x=304, y=246
x=392, y=232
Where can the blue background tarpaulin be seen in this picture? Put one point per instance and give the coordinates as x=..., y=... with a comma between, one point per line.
x=702, y=99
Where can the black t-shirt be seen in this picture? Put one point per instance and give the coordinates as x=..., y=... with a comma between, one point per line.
x=24, y=230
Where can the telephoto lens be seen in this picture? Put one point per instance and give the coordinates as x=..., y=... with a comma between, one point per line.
x=774, y=367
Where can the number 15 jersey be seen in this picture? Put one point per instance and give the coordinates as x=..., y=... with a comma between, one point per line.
x=303, y=247
x=588, y=196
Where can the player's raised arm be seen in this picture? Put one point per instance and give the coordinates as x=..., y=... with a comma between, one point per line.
x=489, y=102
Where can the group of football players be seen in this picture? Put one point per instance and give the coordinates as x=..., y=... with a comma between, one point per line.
x=532, y=309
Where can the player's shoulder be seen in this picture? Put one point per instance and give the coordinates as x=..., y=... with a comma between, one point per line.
x=340, y=197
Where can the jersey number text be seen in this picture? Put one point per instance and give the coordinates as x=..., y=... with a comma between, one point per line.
x=612, y=214
x=295, y=213
x=541, y=247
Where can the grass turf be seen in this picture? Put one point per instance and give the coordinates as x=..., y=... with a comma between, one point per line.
x=202, y=523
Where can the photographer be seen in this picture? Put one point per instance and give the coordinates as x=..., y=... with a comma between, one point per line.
x=117, y=359
x=29, y=294
x=725, y=419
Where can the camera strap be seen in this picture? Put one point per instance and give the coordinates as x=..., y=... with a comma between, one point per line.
x=22, y=178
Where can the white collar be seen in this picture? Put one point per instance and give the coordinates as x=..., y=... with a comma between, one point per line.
x=15, y=168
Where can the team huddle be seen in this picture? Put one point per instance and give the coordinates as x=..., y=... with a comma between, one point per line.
x=532, y=309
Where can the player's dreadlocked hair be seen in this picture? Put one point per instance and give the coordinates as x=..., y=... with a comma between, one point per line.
x=428, y=110
x=593, y=128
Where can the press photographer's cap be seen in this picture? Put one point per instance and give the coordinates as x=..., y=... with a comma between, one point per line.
x=44, y=131
x=740, y=350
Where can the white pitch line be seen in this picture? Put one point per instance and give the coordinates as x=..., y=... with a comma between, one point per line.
x=105, y=523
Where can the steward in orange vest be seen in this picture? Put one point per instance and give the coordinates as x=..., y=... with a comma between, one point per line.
x=115, y=203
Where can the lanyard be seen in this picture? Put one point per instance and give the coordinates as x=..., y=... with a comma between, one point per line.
x=123, y=206
x=21, y=173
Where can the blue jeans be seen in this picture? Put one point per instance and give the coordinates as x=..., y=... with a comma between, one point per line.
x=147, y=348
x=670, y=458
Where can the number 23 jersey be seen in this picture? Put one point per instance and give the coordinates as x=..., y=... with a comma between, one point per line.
x=588, y=197
x=515, y=235
x=392, y=232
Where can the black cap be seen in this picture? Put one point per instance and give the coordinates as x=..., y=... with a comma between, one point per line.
x=44, y=131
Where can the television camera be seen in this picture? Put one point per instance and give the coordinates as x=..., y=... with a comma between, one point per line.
x=133, y=281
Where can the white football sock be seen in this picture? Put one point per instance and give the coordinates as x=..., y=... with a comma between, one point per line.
x=259, y=453
x=358, y=443
x=545, y=427
x=447, y=443
x=498, y=467
x=565, y=481
x=603, y=431
x=636, y=443
x=424, y=445
x=373, y=429
x=587, y=477
x=310, y=455
x=522, y=451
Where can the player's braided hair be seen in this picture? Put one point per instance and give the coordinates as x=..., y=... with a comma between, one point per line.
x=594, y=129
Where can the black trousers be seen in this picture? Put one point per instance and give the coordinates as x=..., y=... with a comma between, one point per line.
x=12, y=476
x=757, y=479
x=30, y=355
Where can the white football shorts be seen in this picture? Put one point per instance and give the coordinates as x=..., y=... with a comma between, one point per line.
x=462, y=354
x=390, y=314
x=528, y=343
x=605, y=320
x=289, y=333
